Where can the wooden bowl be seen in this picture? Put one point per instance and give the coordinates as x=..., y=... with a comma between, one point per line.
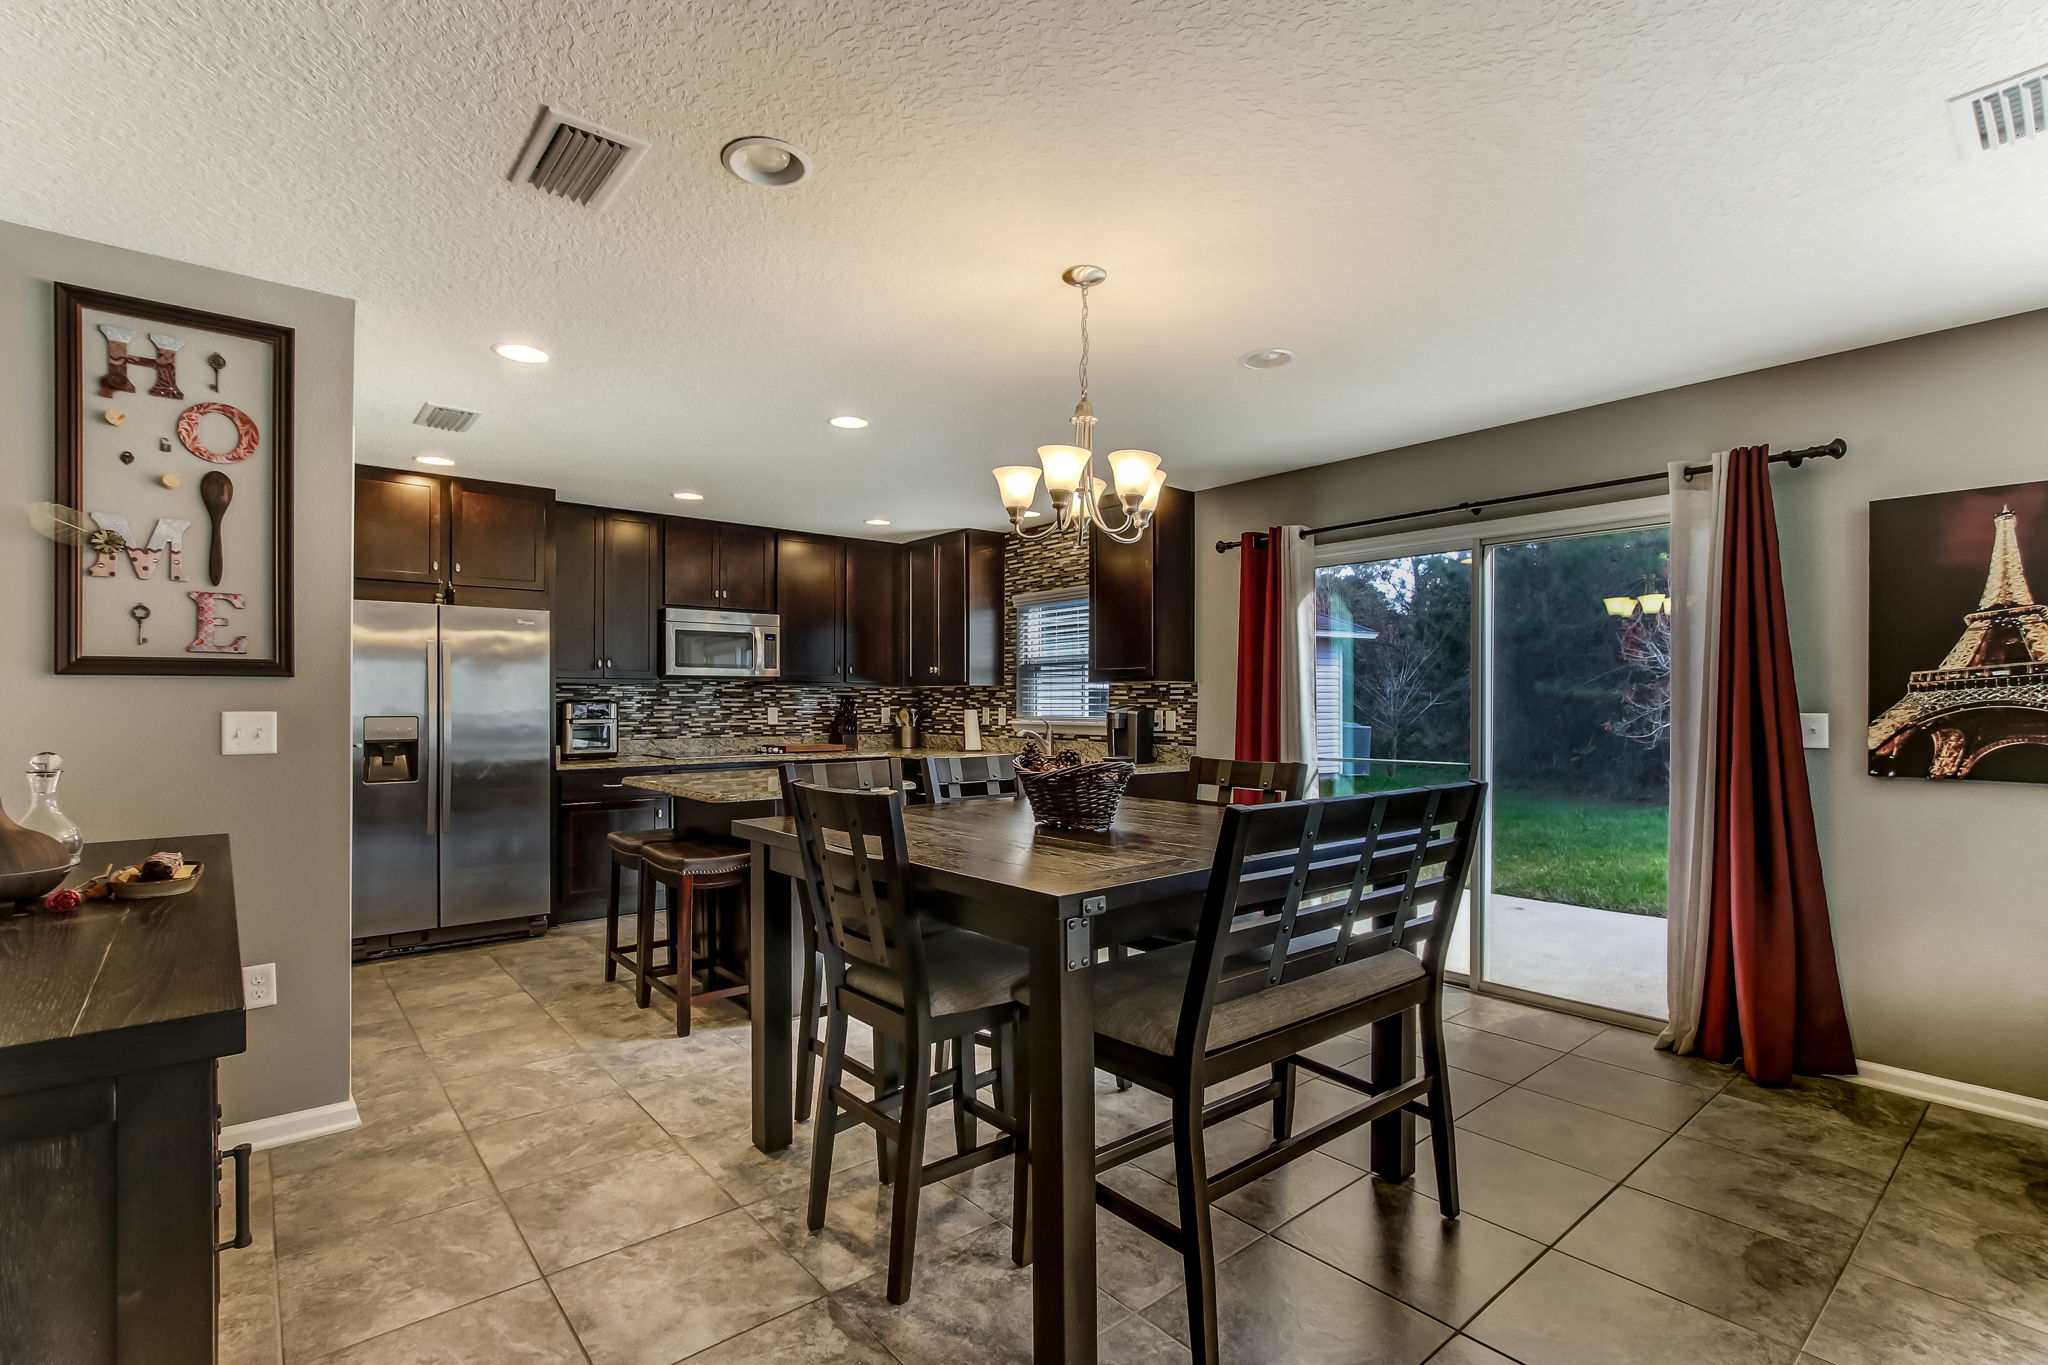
x=149, y=891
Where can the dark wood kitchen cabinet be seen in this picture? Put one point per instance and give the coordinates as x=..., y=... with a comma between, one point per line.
x=590, y=805
x=110, y=1030
x=1141, y=599
x=811, y=598
x=718, y=566
x=953, y=605
x=450, y=540
x=874, y=613
x=607, y=601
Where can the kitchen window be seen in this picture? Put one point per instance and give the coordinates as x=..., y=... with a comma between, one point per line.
x=1052, y=660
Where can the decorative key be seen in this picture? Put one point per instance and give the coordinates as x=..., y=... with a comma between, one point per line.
x=218, y=362
x=141, y=614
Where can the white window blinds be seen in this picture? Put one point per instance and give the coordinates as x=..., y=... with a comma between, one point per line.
x=1052, y=660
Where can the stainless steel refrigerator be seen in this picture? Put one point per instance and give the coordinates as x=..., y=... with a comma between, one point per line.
x=453, y=752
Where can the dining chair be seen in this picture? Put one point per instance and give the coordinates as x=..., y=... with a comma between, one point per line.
x=872, y=774
x=912, y=984
x=1220, y=781
x=969, y=777
x=1320, y=917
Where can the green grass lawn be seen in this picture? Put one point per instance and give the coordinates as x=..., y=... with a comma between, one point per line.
x=1597, y=853
x=1603, y=854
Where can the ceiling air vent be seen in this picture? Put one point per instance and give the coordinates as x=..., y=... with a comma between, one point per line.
x=2009, y=114
x=576, y=159
x=444, y=418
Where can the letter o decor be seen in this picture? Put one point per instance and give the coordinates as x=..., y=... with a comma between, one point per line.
x=245, y=432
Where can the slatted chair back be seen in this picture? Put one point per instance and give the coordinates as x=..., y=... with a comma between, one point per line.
x=1221, y=781
x=848, y=774
x=1302, y=887
x=970, y=777
x=855, y=862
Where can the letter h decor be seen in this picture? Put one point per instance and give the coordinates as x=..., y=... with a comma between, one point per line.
x=165, y=362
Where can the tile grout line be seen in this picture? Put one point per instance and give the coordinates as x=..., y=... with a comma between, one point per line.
x=1864, y=1231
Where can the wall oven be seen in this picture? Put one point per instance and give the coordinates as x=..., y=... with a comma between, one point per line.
x=721, y=644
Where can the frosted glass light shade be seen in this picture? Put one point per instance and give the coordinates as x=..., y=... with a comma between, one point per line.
x=1151, y=502
x=1019, y=485
x=1133, y=470
x=1655, y=603
x=1620, y=606
x=1063, y=466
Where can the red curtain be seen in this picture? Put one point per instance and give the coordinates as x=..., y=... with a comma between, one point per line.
x=1261, y=617
x=1772, y=995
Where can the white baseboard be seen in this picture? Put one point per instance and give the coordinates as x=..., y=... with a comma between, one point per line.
x=293, y=1127
x=1957, y=1094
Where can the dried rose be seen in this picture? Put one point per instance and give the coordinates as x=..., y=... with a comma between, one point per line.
x=62, y=902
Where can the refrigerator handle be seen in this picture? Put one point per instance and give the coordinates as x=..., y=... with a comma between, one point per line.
x=444, y=737
x=432, y=737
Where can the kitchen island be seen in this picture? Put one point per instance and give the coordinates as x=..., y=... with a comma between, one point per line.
x=761, y=781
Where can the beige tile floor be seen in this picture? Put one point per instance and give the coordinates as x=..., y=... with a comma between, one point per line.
x=545, y=1174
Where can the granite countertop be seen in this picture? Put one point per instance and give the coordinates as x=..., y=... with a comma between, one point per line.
x=764, y=783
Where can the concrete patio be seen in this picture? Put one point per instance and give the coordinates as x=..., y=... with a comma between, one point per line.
x=1599, y=957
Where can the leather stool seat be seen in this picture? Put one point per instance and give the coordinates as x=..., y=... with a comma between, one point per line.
x=629, y=843
x=694, y=857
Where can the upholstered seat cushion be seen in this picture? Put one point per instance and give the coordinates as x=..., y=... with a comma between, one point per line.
x=968, y=972
x=697, y=857
x=628, y=842
x=1138, y=999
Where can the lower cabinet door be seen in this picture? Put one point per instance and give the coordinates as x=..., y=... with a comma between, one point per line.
x=583, y=860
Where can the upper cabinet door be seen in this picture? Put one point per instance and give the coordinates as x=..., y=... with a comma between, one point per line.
x=874, y=611
x=577, y=629
x=398, y=526
x=498, y=535
x=811, y=596
x=630, y=598
x=746, y=569
x=690, y=564
x=1141, y=599
x=921, y=610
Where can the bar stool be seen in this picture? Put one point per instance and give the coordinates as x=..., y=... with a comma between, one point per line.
x=626, y=846
x=688, y=868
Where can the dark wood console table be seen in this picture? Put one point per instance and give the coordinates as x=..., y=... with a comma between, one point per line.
x=111, y=1021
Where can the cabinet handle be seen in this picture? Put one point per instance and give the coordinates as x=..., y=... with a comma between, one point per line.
x=613, y=786
x=244, y=1229
x=458, y=566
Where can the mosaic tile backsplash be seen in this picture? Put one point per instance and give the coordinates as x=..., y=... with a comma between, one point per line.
x=687, y=716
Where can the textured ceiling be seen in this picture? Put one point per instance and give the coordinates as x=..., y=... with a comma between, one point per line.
x=1458, y=213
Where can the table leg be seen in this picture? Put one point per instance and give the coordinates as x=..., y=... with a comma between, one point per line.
x=1392, y=1148
x=1062, y=1078
x=769, y=1001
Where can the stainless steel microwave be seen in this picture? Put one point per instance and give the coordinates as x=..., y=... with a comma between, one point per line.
x=720, y=644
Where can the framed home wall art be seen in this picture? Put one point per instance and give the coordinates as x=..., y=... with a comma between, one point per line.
x=174, y=476
x=1959, y=636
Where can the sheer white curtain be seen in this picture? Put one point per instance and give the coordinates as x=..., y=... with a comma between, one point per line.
x=1698, y=522
x=1295, y=567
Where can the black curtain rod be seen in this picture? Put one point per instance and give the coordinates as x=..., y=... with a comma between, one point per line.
x=1833, y=450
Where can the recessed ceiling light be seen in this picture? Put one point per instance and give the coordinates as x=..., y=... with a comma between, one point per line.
x=850, y=423
x=1266, y=360
x=878, y=521
x=431, y=459
x=521, y=352
x=691, y=497
x=765, y=161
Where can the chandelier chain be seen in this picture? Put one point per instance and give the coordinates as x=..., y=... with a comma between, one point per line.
x=1084, y=342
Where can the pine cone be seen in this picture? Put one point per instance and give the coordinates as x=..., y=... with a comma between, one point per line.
x=1031, y=758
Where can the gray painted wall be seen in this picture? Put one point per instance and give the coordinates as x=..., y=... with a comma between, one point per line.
x=142, y=754
x=1940, y=892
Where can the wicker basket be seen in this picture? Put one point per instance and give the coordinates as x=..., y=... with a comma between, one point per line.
x=1082, y=797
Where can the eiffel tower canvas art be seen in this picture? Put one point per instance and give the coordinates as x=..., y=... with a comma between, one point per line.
x=1980, y=711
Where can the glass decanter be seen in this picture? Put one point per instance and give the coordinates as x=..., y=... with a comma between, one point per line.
x=43, y=815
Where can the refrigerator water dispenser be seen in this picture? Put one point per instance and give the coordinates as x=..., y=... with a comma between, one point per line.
x=391, y=748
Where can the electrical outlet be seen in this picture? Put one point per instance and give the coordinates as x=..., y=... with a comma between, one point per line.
x=248, y=732
x=774, y=716
x=1813, y=729
x=259, y=986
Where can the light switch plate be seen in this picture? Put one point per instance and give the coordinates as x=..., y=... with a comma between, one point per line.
x=248, y=732
x=1813, y=729
x=774, y=716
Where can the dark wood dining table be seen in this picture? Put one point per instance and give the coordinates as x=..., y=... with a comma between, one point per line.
x=986, y=866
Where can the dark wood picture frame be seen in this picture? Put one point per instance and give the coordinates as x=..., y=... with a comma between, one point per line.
x=70, y=303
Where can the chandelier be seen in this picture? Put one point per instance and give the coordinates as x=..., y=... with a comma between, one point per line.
x=1080, y=499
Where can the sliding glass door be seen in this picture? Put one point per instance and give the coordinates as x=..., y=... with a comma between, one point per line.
x=1535, y=655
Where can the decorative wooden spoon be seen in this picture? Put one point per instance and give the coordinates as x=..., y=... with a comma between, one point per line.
x=216, y=490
